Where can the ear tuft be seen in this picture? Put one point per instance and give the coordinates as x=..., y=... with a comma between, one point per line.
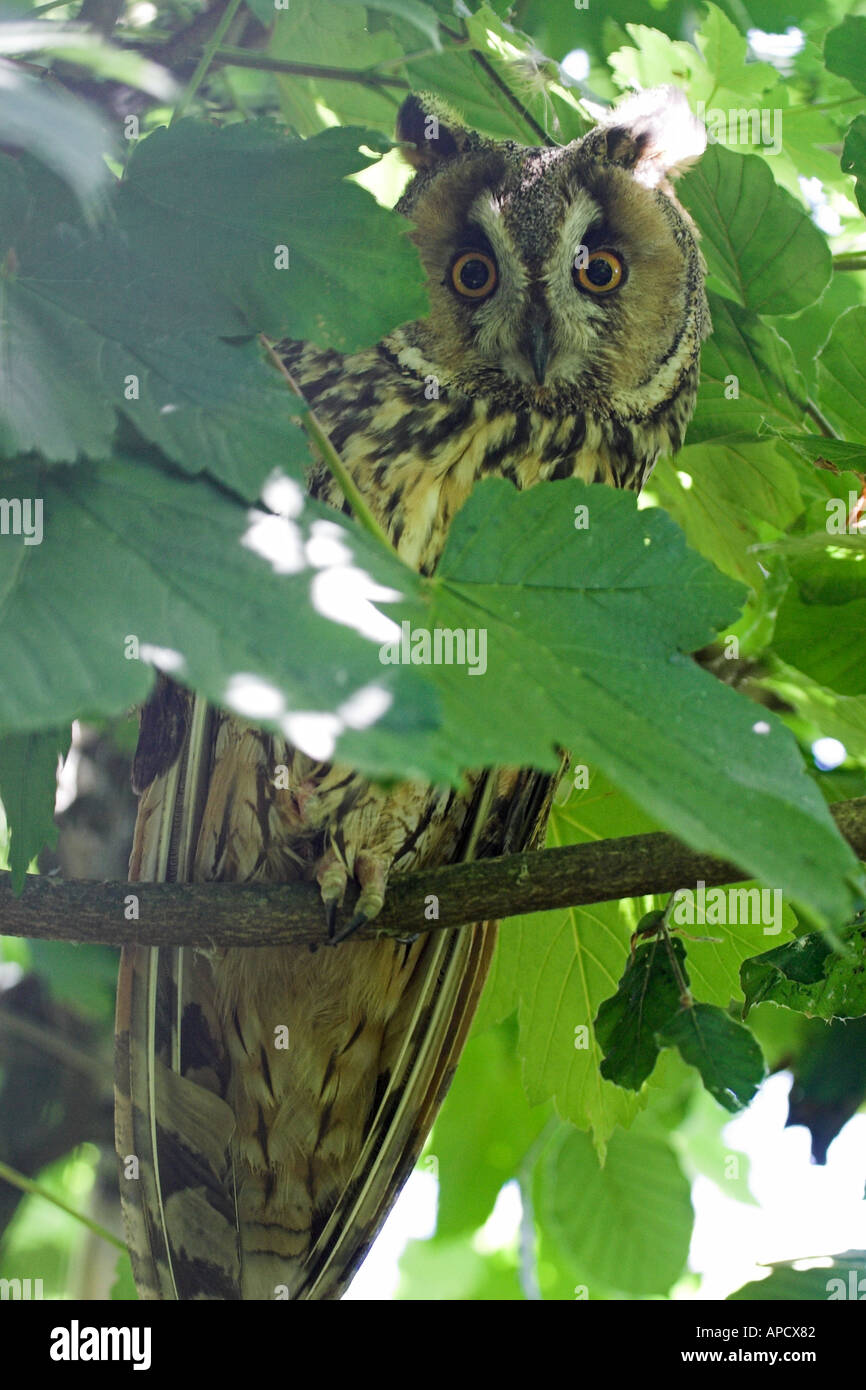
x=652, y=133
x=429, y=131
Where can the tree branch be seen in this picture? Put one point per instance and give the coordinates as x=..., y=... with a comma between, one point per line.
x=262, y=62
x=267, y=914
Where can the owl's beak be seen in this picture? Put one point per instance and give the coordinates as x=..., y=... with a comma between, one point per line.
x=536, y=343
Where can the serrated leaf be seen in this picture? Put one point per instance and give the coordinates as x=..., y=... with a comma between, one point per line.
x=646, y=999
x=822, y=613
x=466, y=83
x=220, y=595
x=616, y=715
x=725, y=496
x=125, y=317
x=626, y=1225
x=762, y=248
x=567, y=962
x=812, y=447
x=28, y=781
x=334, y=36
x=412, y=11
x=854, y=157
x=810, y=976
x=729, y=73
x=842, y=373
x=725, y=1053
x=62, y=133
x=749, y=379
x=845, y=50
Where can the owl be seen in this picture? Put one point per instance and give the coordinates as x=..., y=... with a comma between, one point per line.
x=272, y=1101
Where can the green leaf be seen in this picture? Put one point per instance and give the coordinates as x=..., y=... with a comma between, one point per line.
x=412, y=11
x=854, y=157
x=338, y=36
x=75, y=44
x=842, y=373
x=726, y=496
x=811, y=447
x=62, y=133
x=215, y=204
x=821, y=614
x=842, y=1279
x=124, y=318
x=714, y=70
x=123, y=1289
x=79, y=348
x=748, y=378
x=730, y=77
x=725, y=1053
x=845, y=50
x=219, y=594
x=619, y=710
x=452, y=1270
x=566, y=963
x=647, y=998
x=838, y=716
x=484, y=1131
x=762, y=248
x=810, y=976
x=28, y=781
x=626, y=1225
x=84, y=977
x=466, y=79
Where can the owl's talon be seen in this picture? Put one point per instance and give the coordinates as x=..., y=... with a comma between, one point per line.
x=358, y=919
x=331, y=907
x=332, y=879
x=371, y=871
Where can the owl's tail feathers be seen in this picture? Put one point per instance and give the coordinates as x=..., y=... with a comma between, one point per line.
x=173, y=1137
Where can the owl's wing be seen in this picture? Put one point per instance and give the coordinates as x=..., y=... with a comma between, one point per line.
x=201, y=1214
x=172, y=1124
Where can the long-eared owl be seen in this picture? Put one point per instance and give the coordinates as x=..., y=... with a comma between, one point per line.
x=271, y=1102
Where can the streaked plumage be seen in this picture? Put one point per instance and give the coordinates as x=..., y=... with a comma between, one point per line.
x=264, y=1171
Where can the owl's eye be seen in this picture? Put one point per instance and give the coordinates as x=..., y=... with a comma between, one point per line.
x=473, y=275
x=601, y=274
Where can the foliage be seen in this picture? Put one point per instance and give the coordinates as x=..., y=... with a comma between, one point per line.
x=143, y=256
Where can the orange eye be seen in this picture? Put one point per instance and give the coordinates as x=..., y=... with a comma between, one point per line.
x=473, y=275
x=601, y=274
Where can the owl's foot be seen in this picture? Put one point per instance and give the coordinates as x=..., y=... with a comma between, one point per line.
x=332, y=879
x=371, y=871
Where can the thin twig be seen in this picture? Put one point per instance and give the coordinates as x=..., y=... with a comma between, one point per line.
x=242, y=58
x=820, y=420
x=206, y=59
x=506, y=91
x=319, y=435
x=11, y=1175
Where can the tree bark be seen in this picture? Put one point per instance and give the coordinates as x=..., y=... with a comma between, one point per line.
x=229, y=914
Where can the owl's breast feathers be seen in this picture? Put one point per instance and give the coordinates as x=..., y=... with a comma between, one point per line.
x=417, y=441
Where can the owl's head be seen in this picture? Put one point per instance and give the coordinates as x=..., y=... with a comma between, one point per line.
x=566, y=273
